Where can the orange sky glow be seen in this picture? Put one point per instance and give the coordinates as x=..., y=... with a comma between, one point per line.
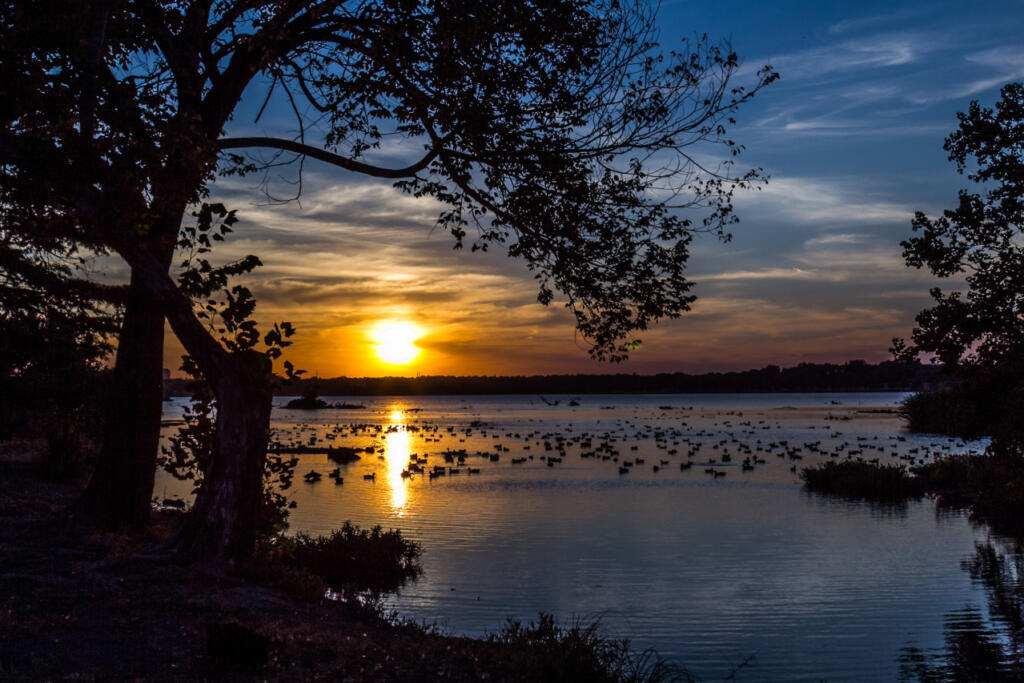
x=851, y=137
x=372, y=291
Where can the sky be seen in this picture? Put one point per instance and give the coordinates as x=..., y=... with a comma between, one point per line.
x=851, y=136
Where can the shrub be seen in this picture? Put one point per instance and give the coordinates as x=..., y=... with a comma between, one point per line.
x=350, y=561
x=865, y=480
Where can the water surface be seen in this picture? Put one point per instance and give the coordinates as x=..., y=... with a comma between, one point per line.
x=707, y=569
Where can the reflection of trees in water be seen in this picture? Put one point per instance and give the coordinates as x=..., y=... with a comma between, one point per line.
x=1001, y=572
x=980, y=647
x=880, y=510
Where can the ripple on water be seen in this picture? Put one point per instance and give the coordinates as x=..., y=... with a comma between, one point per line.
x=708, y=571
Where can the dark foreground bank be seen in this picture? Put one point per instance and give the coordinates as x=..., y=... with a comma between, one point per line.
x=110, y=606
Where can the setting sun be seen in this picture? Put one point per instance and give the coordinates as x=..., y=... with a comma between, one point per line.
x=395, y=342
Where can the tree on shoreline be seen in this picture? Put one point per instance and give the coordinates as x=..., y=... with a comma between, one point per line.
x=555, y=131
x=978, y=334
x=55, y=329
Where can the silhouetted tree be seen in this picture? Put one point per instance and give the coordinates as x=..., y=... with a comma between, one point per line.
x=555, y=130
x=979, y=332
x=55, y=330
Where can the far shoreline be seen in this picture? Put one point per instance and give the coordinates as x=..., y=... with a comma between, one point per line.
x=849, y=377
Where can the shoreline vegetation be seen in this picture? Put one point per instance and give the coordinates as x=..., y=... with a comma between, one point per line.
x=990, y=486
x=271, y=619
x=111, y=605
x=852, y=376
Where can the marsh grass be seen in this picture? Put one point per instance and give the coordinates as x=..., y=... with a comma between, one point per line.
x=579, y=652
x=862, y=480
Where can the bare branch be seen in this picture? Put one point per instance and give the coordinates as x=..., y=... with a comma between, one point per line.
x=328, y=157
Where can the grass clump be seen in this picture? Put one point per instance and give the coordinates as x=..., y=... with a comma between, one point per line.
x=350, y=561
x=862, y=480
x=545, y=651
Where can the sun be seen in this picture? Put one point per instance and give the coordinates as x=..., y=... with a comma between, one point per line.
x=395, y=342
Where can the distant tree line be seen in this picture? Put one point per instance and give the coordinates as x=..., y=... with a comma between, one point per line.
x=853, y=375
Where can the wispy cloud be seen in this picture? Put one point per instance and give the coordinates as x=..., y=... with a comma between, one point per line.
x=765, y=274
x=873, y=52
x=823, y=202
x=860, y=23
x=837, y=238
x=1007, y=61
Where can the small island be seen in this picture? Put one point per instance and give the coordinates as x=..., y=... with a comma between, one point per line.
x=310, y=401
x=307, y=403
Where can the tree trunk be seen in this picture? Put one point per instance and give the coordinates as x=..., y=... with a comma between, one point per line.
x=118, y=495
x=221, y=528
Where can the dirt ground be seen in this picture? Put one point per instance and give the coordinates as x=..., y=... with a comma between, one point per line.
x=110, y=606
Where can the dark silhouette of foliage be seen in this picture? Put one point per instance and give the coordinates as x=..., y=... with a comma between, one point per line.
x=989, y=485
x=980, y=329
x=865, y=480
x=557, y=131
x=980, y=238
x=227, y=309
x=55, y=330
x=349, y=561
x=977, y=404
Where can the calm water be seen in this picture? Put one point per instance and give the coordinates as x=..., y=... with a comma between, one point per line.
x=707, y=569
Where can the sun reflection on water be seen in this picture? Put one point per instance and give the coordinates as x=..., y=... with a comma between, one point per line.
x=397, y=445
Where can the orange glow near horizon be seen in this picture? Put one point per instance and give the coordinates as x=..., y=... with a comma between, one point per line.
x=394, y=342
x=463, y=339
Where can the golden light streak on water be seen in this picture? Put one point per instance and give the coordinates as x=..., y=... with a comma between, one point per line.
x=397, y=446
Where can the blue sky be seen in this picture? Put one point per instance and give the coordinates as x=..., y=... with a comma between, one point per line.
x=851, y=135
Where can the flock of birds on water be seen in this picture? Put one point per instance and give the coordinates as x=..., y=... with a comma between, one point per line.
x=728, y=442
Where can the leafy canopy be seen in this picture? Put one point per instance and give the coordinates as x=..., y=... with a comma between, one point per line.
x=980, y=239
x=557, y=131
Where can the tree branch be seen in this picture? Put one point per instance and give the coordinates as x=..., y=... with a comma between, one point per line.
x=328, y=157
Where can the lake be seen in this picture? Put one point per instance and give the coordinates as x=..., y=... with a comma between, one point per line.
x=713, y=569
